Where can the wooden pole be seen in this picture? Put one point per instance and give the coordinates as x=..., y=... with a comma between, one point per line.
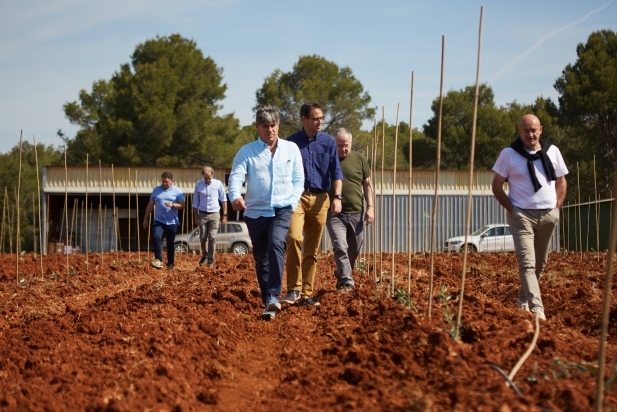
x=38, y=185
x=137, y=213
x=595, y=191
x=17, y=231
x=113, y=191
x=66, y=212
x=101, y=235
x=409, y=200
x=471, y=165
x=129, y=245
x=11, y=214
x=381, y=228
x=4, y=206
x=33, y=224
x=104, y=224
x=87, y=221
x=434, y=216
x=580, y=222
x=374, y=166
x=75, y=206
x=394, y=200
x=606, y=305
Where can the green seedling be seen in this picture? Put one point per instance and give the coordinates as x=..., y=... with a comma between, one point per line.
x=401, y=296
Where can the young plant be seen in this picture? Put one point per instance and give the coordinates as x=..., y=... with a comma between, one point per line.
x=400, y=296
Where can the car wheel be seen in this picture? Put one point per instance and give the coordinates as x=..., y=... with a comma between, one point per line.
x=181, y=248
x=470, y=248
x=240, y=249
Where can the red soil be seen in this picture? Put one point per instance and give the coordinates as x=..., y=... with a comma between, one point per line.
x=126, y=337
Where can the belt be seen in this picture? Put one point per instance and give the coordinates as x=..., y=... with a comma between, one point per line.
x=316, y=191
x=203, y=211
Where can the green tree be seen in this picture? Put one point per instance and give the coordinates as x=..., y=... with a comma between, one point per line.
x=588, y=108
x=161, y=109
x=47, y=156
x=494, y=128
x=313, y=78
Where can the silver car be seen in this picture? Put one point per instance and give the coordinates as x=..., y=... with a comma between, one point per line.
x=233, y=237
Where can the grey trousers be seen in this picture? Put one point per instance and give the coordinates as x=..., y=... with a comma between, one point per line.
x=532, y=231
x=208, y=228
x=346, y=233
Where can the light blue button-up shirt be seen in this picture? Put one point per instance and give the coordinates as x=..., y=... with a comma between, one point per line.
x=272, y=181
x=206, y=197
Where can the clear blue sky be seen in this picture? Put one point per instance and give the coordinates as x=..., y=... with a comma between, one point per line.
x=50, y=49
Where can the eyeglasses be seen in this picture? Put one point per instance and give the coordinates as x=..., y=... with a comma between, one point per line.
x=317, y=119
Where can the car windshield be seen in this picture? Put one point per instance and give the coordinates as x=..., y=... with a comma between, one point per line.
x=479, y=231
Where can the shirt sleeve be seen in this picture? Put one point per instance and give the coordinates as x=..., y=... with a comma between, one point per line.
x=560, y=165
x=335, y=164
x=502, y=164
x=180, y=196
x=196, y=196
x=297, y=177
x=222, y=196
x=238, y=174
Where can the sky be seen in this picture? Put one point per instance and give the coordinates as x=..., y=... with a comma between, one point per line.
x=52, y=49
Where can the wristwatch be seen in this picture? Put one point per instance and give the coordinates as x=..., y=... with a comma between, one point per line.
x=339, y=197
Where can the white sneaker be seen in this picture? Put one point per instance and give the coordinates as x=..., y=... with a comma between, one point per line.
x=539, y=312
x=522, y=305
x=156, y=263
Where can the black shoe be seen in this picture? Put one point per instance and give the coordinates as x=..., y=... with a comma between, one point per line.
x=309, y=301
x=345, y=288
x=211, y=264
x=170, y=267
x=202, y=261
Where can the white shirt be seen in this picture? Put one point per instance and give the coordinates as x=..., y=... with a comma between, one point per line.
x=513, y=167
x=272, y=181
x=206, y=197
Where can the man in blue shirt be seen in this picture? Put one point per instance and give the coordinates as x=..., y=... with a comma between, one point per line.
x=321, y=169
x=207, y=212
x=168, y=200
x=272, y=169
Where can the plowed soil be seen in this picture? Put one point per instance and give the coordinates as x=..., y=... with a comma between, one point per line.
x=123, y=336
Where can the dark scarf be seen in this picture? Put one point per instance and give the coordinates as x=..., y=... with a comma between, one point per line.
x=517, y=145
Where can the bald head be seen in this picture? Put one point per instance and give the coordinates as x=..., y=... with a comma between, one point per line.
x=207, y=172
x=343, y=137
x=530, y=130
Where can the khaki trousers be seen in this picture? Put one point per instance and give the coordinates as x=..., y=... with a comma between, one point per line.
x=310, y=217
x=532, y=231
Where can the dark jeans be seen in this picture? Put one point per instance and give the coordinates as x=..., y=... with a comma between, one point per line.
x=268, y=236
x=158, y=229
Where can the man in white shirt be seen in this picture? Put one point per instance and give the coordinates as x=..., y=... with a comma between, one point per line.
x=272, y=169
x=535, y=171
x=207, y=212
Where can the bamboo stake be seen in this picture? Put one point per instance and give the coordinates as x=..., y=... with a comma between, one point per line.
x=137, y=213
x=434, y=216
x=129, y=245
x=87, y=221
x=4, y=206
x=374, y=165
x=81, y=229
x=113, y=191
x=588, y=212
x=72, y=224
x=606, y=304
x=33, y=224
x=595, y=191
x=104, y=224
x=101, y=235
x=90, y=224
x=11, y=214
x=394, y=199
x=17, y=235
x=471, y=164
x=409, y=204
x=580, y=223
x=383, y=155
x=66, y=212
x=38, y=185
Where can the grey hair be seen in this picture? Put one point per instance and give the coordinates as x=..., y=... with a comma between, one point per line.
x=343, y=131
x=207, y=169
x=266, y=114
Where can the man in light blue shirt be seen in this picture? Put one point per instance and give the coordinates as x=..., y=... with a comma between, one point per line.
x=168, y=199
x=272, y=169
x=207, y=212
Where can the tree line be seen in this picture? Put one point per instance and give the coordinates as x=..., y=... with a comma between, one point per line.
x=163, y=109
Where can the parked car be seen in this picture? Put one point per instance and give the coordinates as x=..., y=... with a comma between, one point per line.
x=233, y=237
x=490, y=238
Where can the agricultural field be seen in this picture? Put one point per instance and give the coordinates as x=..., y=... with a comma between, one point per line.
x=123, y=336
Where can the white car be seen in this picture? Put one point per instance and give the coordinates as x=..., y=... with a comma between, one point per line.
x=233, y=237
x=490, y=238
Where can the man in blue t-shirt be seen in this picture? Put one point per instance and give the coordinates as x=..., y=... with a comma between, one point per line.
x=168, y=200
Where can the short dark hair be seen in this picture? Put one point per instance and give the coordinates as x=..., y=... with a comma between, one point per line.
x=305, y=110
x=266, y=115
x=167, y=175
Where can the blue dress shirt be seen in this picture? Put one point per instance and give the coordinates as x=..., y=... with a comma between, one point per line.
x=206, y=197
x=320, y=159
x=272, y=181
